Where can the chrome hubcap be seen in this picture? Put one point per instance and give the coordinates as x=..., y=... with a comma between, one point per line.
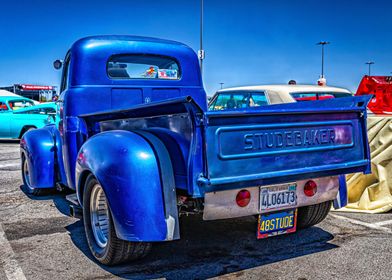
x=99, y=215
x=26, y=173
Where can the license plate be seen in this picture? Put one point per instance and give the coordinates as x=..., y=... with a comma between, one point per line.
x=278, y=196
x=277, y=223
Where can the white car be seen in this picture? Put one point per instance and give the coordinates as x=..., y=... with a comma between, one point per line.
x=249, y=96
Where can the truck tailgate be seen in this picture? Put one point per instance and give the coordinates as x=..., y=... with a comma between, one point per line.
x=286, y=142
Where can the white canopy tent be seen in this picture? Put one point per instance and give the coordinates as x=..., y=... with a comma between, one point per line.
x=7, y=93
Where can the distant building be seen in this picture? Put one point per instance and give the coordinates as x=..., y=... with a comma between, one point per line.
x=35, y=92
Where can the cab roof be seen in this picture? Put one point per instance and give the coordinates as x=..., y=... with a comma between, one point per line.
x=89, y=57
x=128, y=38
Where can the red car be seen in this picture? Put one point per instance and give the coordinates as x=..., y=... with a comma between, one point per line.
x=381, y=88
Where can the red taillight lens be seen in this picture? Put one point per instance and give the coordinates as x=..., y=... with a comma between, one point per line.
x=310, y=188
x=242, y=198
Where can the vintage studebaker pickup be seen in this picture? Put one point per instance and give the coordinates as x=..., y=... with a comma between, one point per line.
x=135, y=141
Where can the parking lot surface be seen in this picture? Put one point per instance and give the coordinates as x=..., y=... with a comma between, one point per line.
x=38, y=240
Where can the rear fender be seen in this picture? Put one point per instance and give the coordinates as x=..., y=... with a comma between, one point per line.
x=135, y=171
x=342, y=198
x=38, y=147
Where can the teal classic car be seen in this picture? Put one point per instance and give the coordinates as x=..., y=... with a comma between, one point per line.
x=19, y=114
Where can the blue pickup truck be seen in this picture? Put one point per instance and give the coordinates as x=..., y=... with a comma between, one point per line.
x=135, y=141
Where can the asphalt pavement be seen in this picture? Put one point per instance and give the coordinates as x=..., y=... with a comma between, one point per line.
x=38, y=240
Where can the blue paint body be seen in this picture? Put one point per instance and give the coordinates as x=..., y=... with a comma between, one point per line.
x=133, y=187
x=39, y=149
x=102, y=126
x=342, y=198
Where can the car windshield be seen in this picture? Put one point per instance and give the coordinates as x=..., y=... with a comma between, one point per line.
x=308, y=96
x=237, y=99
x=20, y=103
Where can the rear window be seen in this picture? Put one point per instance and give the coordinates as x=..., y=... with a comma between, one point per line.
x=143, y=66
x=238, y=100
x=308, y=96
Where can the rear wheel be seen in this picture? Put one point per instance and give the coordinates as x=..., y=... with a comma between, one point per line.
x=102, y=240
x=313, y=214
x=26, y=176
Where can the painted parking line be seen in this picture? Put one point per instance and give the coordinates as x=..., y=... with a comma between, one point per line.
x=383, y=223
x=7, y=258
x=9, y=165
x=376, y=226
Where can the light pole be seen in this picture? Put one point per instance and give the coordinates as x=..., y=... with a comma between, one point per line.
x=322, y=43
x=201, y=53
x=221, y=84
x=369, y=63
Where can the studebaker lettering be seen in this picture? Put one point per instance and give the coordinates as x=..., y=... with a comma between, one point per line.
x=283, y=139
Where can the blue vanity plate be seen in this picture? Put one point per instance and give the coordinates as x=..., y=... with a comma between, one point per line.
x=276, y=223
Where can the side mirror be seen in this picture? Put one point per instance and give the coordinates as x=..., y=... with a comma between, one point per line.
x=57, y=64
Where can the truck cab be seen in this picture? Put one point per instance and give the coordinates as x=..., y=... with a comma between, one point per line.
x=135, y=142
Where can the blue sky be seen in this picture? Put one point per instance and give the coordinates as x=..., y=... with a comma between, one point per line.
x=246, y=42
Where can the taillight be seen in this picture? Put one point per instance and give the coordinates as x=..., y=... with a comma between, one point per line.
x=243, y=198
x=310, y=188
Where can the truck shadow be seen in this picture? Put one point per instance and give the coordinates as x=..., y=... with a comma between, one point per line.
x=213, y=248
x=58, y=199
x=206, y=248
x=9, y=141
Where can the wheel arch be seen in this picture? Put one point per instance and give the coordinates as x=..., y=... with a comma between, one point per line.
x=121, y=161
x=24, y=129
x=82, y=179
x=38, y=148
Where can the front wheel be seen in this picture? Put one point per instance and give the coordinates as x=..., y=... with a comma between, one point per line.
x=313, y=214
x=26, y=176
x=101, y=236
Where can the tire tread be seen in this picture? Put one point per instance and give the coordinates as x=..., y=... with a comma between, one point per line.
x=313, y=214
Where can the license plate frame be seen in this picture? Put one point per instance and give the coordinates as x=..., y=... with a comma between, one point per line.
x=280, y=222
x=276, y=197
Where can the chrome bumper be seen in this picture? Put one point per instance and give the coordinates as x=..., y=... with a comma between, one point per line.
x=222, y=204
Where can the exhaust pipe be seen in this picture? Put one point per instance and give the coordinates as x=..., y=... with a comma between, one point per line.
x=75, y=211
